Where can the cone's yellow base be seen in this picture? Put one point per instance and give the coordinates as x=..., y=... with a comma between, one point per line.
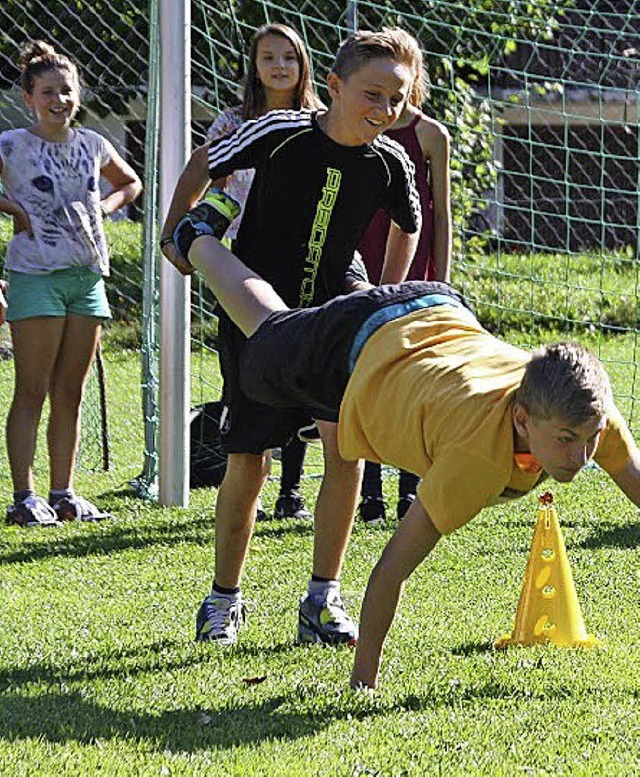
x=508, y=640
x=548, y=611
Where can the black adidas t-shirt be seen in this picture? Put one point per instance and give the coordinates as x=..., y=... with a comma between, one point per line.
x=311, y=199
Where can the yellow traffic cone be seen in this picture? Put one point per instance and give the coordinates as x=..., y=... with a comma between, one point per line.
x=548, y=610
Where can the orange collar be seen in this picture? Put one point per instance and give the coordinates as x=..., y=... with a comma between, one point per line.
x=527, y=462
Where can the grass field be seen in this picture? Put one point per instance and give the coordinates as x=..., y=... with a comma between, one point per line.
x=99, y=672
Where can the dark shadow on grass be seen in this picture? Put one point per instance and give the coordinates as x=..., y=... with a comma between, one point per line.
x=472, y=648
x=55, y=717
x=79, y=541
x=282, y=528
x=118, y=663
x=134, y=661
x=69, y=717
x=454, y=695
x=613, y=537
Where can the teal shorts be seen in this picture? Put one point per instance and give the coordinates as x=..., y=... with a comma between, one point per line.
x=76, y=290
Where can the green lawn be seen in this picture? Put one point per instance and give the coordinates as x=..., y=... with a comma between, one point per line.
x=99, y=671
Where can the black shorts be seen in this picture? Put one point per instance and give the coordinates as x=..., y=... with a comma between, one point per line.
x=302, y=359
x=248, y=426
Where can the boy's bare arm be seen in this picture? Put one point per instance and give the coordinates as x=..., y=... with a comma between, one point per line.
x=628, y=479
x=399, y=254
x=412, y=542
x=189, y=189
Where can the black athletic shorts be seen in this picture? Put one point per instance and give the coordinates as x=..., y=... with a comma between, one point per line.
x=302, y=359
x=247, y=426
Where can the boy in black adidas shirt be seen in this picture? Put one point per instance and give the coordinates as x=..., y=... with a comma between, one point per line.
x=319, y=179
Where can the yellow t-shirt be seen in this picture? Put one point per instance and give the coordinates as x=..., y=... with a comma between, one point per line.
x=431, y=392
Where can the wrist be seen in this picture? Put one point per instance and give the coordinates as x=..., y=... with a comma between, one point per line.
x=166, y=241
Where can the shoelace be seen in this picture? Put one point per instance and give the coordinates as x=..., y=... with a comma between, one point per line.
x=219, y=615
x=335, y=606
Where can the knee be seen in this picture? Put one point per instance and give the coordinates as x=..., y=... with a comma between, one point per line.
x=248, y=467
x=66, y=394
x=333, y=462
x=30, y=397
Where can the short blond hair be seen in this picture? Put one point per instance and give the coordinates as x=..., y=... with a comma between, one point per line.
x=365, y=45
x=566, y=381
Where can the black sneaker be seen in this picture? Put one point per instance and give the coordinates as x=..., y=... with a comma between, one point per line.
x=291, y=505
x=372, y=510
x=209, y=217
x=404, y=503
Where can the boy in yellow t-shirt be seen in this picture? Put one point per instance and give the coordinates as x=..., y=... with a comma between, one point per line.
x=415, y=381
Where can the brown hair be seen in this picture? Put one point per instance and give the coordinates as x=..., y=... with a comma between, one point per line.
x=254, y=100
x=37, y=57
x=566, y=381
x=364, y=46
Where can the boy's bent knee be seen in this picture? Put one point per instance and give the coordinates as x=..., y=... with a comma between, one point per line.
x=249, y=464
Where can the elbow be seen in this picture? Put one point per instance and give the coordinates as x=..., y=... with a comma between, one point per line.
x=136, y=189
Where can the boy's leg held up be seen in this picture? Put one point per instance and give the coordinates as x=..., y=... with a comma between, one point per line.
x=244, y=295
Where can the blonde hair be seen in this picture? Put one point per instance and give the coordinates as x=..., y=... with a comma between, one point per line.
x=254, y=98
x=420, y=86
x=566, y=381
x=364, y=46
x=38, y=57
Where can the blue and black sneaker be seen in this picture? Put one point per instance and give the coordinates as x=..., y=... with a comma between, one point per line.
x=209, y=217
x=219, y=619
x=325, y=620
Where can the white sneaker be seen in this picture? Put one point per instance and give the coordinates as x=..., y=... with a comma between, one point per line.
x=219, y=619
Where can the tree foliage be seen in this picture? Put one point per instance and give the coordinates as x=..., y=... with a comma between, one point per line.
x=463, y=43
x=109, y=40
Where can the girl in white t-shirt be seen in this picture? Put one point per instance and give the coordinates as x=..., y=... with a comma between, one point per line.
x=56, y=263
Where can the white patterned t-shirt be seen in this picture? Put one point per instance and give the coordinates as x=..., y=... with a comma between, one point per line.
x=58, y=186
x=239, y=182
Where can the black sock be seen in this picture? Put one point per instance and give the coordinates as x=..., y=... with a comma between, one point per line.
x=228, y=591
x=408, y=484
x=318, y=579
x=292, y=464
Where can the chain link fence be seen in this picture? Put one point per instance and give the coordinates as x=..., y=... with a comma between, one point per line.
x=542, y=102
